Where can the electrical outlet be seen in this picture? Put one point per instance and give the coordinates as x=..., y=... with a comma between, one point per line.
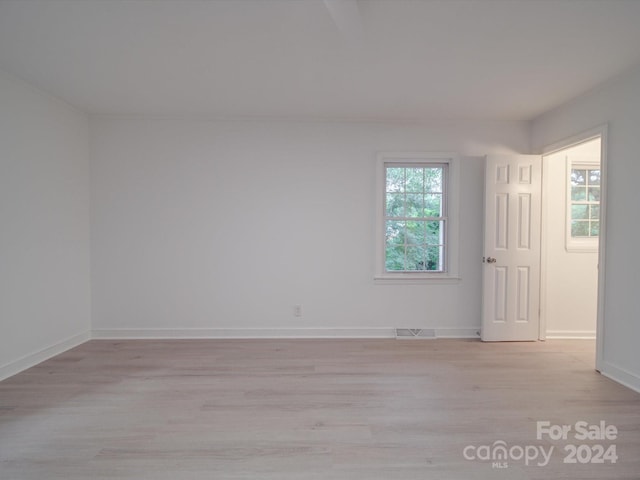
x=297, y=310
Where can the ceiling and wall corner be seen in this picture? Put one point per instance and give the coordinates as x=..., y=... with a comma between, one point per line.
x=471, y=59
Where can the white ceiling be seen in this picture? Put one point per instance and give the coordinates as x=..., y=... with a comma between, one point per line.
x=393, y=59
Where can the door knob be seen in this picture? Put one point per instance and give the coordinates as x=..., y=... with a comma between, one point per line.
x=491, y=260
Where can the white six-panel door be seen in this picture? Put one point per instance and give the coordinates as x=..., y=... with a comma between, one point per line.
x=511, y=282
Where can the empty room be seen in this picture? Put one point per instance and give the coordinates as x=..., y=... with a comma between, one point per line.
x=319, y=239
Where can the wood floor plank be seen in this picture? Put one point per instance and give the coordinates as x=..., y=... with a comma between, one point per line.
x=307, y=409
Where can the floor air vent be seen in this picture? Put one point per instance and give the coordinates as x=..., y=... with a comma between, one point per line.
x=424, y=333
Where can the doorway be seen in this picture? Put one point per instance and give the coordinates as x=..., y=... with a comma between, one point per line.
x=572, y=238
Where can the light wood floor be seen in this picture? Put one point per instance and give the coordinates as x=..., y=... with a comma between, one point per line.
x=306, y=409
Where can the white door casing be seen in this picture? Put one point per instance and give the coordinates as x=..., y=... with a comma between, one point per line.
x=511, y=277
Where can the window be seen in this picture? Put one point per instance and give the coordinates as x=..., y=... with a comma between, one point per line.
x=414, y=217
x=583, y=206
x=585, y=202
x=417, y=228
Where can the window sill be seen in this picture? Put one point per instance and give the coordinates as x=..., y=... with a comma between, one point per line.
x=416, y=279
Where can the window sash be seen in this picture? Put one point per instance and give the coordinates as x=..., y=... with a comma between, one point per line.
x=582, y=234
x=417, y=250
x=589, y=223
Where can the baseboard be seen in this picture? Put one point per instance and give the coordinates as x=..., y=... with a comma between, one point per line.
x=35, y=358
x=458, y=332
x=571, y=334
x=186, y=333
x=621, y=375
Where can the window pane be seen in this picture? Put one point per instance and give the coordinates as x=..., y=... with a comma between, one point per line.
x=415, y=233
x=578, y=193
x=414, y=205
x=416, y=258
x=395, y=179
x=394, y=258
x=434, y=233
x=433, y=205
x=395, y=205
x=578, y=177
x=579, y=229
x=595, y=212
x=433, y=179
x=435, y=256
x=415, y=180
x=594, y=177
x=579, y=212
x=395, y=233
x=594, y=194
x=595, y=229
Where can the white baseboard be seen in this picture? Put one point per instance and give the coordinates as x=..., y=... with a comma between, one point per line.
x=35, y=358
x=621, y=375
x=571, y=334
x=458, y=332
x=186, y=333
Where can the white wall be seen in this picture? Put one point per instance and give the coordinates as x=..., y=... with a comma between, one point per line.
x=44, y=226
x=206, y=227
x=570, y=278
x=618, y=103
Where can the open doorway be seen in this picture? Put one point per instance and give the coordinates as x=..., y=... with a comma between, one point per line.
x=572, y=182
x=572, y=228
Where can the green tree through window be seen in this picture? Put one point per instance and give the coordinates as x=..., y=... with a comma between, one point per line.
x=415, y=217
x=585, y=202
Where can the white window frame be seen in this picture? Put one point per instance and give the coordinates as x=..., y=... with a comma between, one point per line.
x=451, y=190
x=580, y=244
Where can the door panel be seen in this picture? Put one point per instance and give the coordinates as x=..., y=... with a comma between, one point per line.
x=511, y=280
